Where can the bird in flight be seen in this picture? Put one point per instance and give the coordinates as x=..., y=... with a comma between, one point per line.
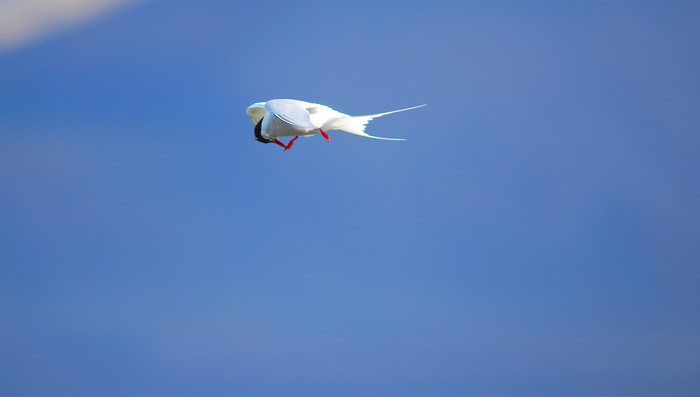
x=289, y=117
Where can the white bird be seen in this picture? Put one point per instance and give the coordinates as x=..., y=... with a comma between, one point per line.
x=290, y=117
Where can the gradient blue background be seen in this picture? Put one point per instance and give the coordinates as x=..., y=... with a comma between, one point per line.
x=537, y=234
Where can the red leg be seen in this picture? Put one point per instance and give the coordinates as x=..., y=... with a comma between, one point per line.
x=289, y=145
x=277, y=141
x=325, y=135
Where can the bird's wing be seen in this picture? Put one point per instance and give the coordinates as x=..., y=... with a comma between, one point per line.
x=292, y=112
x=256, y=111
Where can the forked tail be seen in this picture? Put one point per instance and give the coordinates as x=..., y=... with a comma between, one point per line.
x=356, y=124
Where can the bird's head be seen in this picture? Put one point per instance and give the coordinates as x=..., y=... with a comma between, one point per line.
x=258, y=133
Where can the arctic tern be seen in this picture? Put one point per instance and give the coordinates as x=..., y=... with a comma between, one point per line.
x=289, y=117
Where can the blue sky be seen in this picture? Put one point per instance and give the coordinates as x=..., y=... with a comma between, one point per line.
x=536, y=234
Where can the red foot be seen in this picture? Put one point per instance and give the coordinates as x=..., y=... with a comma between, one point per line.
x=289, y=145
x=325, y=135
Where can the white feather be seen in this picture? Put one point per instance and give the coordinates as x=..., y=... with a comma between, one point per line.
x=300, y=118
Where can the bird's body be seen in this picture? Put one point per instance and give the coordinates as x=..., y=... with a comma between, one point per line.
x=290, y=117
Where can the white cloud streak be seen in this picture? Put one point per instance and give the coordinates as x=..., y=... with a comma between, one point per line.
x=25, y=21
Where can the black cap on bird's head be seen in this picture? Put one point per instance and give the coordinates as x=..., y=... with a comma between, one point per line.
x=258, y=133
